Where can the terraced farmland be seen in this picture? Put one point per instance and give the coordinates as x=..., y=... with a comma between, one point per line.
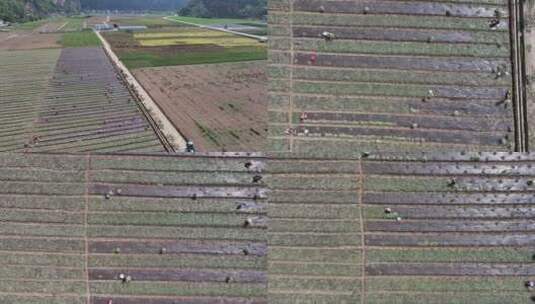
x=70, y=102
x=348, y=78
x=420, y=228
x=132, y=229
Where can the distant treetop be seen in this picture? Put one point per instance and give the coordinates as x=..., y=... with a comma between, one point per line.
x=225, y=8
x=133, y=5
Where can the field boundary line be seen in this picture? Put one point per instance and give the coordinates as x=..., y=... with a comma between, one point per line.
x=168, y=130
x=362, y=234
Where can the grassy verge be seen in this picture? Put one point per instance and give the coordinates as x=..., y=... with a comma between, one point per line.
x=85, y=38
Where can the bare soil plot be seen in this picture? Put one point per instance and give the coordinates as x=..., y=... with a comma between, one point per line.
x=25, y=40
x=94, y=20
x=41, y=35
x=219, y=106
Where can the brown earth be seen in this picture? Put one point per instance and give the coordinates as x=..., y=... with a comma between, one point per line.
x=28, y=40
x=221, y=107
x=38, y=38
x=92, y=21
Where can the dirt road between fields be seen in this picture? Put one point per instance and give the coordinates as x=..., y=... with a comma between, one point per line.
x=168, y=129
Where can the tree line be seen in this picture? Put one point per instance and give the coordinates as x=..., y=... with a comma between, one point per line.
x=225, y=8
x=133, y=5
x=28, y=10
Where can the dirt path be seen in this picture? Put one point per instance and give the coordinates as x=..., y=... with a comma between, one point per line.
x=172, y=134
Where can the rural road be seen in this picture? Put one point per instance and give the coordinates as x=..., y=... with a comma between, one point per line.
x=168, y=129
x=260, y=38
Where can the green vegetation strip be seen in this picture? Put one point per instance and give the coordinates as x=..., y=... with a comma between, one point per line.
x=178, y=261
x=85, y=38
x=178, y=289
x=144, y=58
x=445, y=284
x=452, y=255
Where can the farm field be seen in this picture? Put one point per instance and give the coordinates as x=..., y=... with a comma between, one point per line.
x=414, y=228
x=69, y=100
x=218, y=106
x=253, y=27
x=54, y=32
x=86, y=38
x=24, y=40
x=401, y=78
x=24, y=78
x=62, y=24
x=173, y=224
x=182, y=46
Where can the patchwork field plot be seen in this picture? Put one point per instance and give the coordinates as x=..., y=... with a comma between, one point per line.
x=193, y=36
x=218, y=106
x=381, y=76
x=71, y=100
x=181, y=46
x=421, y=228
x=123, y=229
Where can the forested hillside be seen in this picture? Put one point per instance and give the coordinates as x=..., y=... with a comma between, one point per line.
x=225, y=8
x=131, y=5
x=27, y=10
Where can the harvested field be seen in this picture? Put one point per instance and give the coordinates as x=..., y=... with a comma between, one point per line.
x=221, y=107
x=418, y=229
x=167, y=46
x=71, y=225
x=73, y=102
x=408, y=76
x=94, y=20
x=46, y=33
x=24, y=40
